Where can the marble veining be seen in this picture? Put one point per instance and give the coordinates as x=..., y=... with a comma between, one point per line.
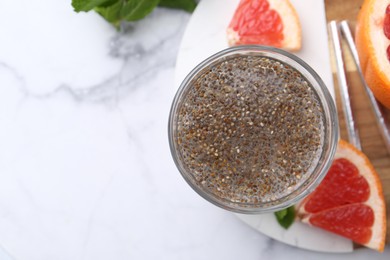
x=85, y=167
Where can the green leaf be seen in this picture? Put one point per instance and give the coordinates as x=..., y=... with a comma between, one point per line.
x=87, y=5
x=115, y=11
x=129, y=10
x=286, y=217
x=187, y=5
x=111, y=13
x=281, y=214
x=135, y=10
x=108, y=3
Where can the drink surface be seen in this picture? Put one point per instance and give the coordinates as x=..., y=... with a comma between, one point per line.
x=250, y=129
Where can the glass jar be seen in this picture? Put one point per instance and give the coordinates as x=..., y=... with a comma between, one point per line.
x=329, y=133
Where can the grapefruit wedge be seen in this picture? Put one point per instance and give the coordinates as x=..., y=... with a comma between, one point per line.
x=373, y=46
x=349, y=201
x=265, y=22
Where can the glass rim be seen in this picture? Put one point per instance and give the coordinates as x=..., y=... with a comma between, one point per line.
x=331, y=131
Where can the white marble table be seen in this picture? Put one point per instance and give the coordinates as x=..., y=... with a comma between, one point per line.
x=85, y=168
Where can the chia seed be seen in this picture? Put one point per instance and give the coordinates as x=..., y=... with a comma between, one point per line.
x=250, y=129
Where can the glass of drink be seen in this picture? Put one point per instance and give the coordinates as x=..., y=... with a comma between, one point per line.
x=253, y=129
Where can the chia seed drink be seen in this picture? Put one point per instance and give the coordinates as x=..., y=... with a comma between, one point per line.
x=251, y=130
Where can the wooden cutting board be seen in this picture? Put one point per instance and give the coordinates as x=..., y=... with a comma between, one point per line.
x=372, y=142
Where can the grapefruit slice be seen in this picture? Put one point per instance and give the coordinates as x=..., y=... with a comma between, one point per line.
x=373, y=46
x=349, y=201
x=265, y=22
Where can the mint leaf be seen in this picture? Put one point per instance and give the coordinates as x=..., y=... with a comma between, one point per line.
x=126, y=10
x=286, y=217
x=137, y=9
x=87, y=5
x=108, y=3
x=115, y=11
x=281, y=214
x=111, y=13
x=186, y=5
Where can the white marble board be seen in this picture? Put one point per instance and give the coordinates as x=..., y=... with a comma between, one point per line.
x=206, y=35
